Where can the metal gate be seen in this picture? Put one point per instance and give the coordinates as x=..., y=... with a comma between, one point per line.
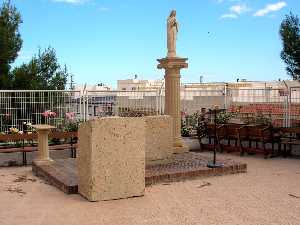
x=281, y=106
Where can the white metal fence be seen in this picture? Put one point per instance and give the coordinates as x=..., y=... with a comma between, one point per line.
x=282, y=106
x=18, y=107
x=193, y=100
x=293, y=107
x=122, y=103
x=273, y=104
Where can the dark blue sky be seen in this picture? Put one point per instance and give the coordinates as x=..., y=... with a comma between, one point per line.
x=103, y=41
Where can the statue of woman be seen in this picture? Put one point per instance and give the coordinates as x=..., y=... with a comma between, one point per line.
x=172, y=29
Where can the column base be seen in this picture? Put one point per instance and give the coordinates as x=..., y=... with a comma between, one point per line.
x=42, y=161
x=179, y=146
x=183, y=149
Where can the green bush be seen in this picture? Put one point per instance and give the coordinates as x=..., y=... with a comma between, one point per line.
x=72, y=125
x=224, y=117
x=136, y=112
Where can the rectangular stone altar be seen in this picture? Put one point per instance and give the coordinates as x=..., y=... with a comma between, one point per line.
x=111, y=158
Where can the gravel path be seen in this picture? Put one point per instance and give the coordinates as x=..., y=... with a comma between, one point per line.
x=268, y=194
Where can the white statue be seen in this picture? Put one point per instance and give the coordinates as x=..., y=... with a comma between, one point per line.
x=172, y=30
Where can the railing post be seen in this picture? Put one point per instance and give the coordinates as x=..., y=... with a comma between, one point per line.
x=87, y=105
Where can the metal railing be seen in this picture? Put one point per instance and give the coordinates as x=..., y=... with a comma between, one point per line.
x=293, y=107
x=22, y=106
x=281, y=106
x=121, y=103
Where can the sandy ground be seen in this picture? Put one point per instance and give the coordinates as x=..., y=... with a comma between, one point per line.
x=268, y=194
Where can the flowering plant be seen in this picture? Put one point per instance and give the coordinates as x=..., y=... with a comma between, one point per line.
x=71, y=123
x=72, y=126
x=224, y=117
x=48, y=117
x=70, y=115
x=49, y=114
x=13, y=130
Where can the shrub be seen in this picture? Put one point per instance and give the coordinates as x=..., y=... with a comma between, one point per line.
x=136, y=112
x=224, y=117
x=185, y=129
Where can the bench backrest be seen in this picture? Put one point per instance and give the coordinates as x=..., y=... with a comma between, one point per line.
x=210, y=129
x=18, y=137
x=255, y=131
x=63, y=135
x=34, y=136
x=231, y=129
x=291, y=132
x=295, y=130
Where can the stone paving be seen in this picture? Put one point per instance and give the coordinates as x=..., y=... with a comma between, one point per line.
x=63, y=173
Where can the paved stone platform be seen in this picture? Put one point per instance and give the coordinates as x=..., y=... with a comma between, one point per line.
x=62, y=173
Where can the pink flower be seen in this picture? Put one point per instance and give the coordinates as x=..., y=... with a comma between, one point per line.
x=13, y=130
x=49, y=113
x=46, y=113
x=70, y=115
x=52, y=114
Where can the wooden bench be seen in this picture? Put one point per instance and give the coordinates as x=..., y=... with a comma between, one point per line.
x=227, y=133
x=18, y=139
x=256, y=133
x=210, y=133
x=72, y=144
x=289, y=136
x=28, y=143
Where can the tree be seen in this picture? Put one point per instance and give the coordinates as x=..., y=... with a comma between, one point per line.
x=290, y=36
x=10, y=41
x=43, y=72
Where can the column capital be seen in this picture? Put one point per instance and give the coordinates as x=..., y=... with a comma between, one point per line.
x=172, y=63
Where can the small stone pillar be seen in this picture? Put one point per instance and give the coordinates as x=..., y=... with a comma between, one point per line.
x=43, y=146
x=172, y=66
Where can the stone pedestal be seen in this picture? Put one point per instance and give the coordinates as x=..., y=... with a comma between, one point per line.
x=172, y=66
x=111, y=158
x=43, y=145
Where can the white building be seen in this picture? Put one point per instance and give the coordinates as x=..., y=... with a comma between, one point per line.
x=142, y=85
x=216, y=93
x=92, y=87
x=139, y=85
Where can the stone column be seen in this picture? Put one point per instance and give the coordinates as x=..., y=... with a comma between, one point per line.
x=172, y=66
x=43, y=146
